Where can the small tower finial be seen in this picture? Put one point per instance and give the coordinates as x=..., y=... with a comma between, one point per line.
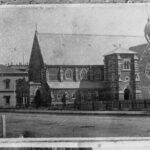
x=36, y=27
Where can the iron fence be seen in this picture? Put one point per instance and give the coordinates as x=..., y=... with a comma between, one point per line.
x=129, y=105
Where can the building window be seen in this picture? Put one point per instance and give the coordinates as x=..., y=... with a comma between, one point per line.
x=83, y=74
x=7, y=83
x=97, y=74
x=126, y=64
x=68, y=74
x=7, y=100
x=147, y=70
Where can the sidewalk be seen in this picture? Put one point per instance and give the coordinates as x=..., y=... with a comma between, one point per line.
x=68, y=112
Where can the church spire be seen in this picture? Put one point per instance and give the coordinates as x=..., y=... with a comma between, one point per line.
x=36, y=30
x=36, y=63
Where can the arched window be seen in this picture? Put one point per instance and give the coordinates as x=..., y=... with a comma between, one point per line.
x=126, y=64
x=83, y=74
x=68, y=74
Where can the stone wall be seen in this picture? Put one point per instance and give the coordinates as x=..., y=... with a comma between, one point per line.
x=118, y=78
x=86, y=95
x=58, y=73
x=111, y=75
x=143, y=68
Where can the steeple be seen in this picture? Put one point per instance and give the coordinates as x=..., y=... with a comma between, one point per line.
x=36, y=63
x=35, y=28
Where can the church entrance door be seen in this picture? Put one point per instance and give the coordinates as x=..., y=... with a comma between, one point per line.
x=126, y=94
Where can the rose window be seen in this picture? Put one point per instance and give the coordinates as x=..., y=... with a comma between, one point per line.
x=147, y=70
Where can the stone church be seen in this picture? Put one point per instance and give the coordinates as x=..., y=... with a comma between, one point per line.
x=89, y=64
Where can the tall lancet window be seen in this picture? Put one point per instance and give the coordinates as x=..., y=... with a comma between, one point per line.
x=83, y=74
x=126, y=64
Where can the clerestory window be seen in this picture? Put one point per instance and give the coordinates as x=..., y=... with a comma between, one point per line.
x=83, y=74
x=68, y=74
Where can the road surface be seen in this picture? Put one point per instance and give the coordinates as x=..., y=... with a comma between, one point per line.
x=46, y=125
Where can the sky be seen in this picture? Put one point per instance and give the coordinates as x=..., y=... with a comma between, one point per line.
x=18, y=24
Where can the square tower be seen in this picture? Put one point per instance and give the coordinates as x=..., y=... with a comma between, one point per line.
x=121, y=73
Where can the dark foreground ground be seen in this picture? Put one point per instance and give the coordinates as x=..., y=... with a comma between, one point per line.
x=46, y=125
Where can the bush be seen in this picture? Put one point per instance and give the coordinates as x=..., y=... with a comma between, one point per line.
x=28, y=134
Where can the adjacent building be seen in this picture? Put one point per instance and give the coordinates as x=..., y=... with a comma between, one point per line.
x=8, y=78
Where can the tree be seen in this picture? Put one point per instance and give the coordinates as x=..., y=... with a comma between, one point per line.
x=37, y=99
x=22, y=92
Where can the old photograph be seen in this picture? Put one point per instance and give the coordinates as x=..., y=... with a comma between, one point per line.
x=79, y=70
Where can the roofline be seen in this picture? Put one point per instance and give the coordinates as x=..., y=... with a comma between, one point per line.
x=120, y=53
x=106, y=35
x=25, y=73
x=74, y=65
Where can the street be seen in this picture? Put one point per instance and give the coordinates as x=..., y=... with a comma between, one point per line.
x=46, y=125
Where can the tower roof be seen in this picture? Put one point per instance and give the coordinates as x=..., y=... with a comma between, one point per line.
x=121, y=50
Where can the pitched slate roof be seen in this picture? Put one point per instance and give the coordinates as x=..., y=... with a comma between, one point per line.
x=121, y=50
x=140, y=49
x=143, y=51
x=79, y=49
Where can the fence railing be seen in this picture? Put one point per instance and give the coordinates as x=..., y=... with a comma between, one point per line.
x=102, y=105
x=107, y=105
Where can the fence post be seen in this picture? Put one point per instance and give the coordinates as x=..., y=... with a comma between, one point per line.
x=3, y=126
x=145, y=104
